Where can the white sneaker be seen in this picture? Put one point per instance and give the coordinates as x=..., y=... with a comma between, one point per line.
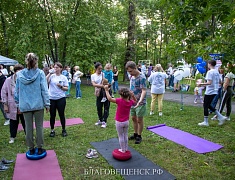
x=160, y=113
x=98, y=123
x=104, y=124
x=12, y=140
x=151, y=113
x=222, y=118
x=195, y=102
x=214, y=117
x=221, y=122
x=203, y=124
x=103, y=99
x=227, y=118
x=7, y=122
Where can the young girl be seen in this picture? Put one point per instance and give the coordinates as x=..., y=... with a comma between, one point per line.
x=108, y=74
x=198, y=91
x=124, y=105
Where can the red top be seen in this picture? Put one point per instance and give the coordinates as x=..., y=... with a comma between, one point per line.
x=123, y=109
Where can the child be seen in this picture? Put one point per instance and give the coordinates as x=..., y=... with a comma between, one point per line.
x=108, y=74
x=198, y=91
x=124, y=105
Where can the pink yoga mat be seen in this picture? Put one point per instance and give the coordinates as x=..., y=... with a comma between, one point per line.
x=47, y=168
x=69, y=122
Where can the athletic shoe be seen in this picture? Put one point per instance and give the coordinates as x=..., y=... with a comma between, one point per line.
x=98, y=123
x=12, y=140
x=91, y=153
x=103, y=99
x=64, y=133
x=151, y=113
x=132, y=137
x=104, y=124
x=4, y=161
x=138, y=140
x=195, y=102
x=160, y=113
x=32, y=151
x=7, y=122
x=52, y=134
x=78, y=98
x=203, y=124
x=214, y=117
x=3, y=167
x=227, y=118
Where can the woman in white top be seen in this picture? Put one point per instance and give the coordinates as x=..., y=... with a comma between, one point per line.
x=212, y=85
x=157, y=81
x=77, y=80
x=58, y=84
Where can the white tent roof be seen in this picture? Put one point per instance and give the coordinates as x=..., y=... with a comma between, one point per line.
x=7, y=61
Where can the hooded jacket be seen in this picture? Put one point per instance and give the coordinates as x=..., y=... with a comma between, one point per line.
x=31, y=91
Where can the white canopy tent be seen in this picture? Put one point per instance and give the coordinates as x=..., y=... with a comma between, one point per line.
x=7, y=61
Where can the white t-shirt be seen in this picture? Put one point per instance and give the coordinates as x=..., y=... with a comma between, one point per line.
x=214, y=76
x=77, y=75
x=54, y=91
x=97, y=78
x=157, y=81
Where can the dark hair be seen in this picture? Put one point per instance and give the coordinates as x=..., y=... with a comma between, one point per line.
x=18, y=67
x=97, y=64
x=124, y=92
x=130, y=64
x=31, y=60
x=212, y=62
x=3, y=66
x=58, y=64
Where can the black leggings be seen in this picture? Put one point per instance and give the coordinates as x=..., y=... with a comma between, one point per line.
x=58, y=104
x=14, y=125
x=207, y=104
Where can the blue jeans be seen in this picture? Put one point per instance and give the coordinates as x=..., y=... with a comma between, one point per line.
x=171, y=81
x=78, y=90
x=216, y=98
x=115, y=86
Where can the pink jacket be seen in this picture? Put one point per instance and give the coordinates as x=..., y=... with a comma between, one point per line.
x=7, y=94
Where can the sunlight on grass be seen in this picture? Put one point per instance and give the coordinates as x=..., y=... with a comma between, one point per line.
x=178, y=160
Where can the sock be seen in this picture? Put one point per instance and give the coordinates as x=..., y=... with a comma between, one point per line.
x=206, y=119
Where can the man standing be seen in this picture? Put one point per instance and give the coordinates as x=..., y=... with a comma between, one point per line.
x=138, y=86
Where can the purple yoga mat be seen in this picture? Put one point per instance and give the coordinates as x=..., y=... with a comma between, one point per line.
x=69, y=122
x=47, y=168
x=186, y=139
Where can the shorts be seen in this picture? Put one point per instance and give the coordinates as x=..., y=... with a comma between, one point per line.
x=140, y=111
x=175, y=81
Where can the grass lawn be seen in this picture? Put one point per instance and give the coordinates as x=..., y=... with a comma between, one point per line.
x=178, y=160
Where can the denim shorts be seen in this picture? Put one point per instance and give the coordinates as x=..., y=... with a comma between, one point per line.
x=140, y=111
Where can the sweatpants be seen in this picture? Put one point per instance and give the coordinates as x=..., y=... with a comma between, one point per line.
x=14, y=125
x=207, y=104
x=103, y=116
x=227, y=99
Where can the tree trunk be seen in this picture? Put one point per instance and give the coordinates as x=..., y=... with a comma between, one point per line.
x=4, y=33
x=130, y=49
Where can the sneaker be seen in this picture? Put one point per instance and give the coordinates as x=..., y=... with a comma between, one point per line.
x=41, y=150
x=221, y=122
x=64, y=133
x=202, y=102
x=222, y=118
x=78, y=98
x=214, y=117
x=3, y=167
x=12, y=140
x=227, y=118
x=91, y=153
x=52, y=134
x=160, y=113
x=132, y=137
x=138, y=140
x=7, y=122
x=195, y=102
x=104, y=124
x=151, y=113
x=98, y=123
x=4, y=161
x=32, y=151
x=203, y=124
x=103, y=99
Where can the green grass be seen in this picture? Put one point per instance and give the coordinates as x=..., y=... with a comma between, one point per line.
x=178, y=160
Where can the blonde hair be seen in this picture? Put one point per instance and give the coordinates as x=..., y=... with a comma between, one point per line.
x=76, y=68
x=108, y=65
x=158, y=67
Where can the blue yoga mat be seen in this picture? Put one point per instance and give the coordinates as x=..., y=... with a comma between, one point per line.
x=185, y=139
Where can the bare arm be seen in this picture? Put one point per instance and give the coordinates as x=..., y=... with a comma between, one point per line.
x=143, y=94
x=226, y=83
x=106, y=87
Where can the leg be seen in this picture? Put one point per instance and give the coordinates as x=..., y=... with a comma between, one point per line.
x=79, y=89
x=99, y=106
x=52, y=113
x=125, y=132
x=119, y=128
x=153, y=102
x=160, y=98
x=39, y=127
x=13, y=127
x=60, y=106
x=28, y=116
x=21, y=117
x=106, y=111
